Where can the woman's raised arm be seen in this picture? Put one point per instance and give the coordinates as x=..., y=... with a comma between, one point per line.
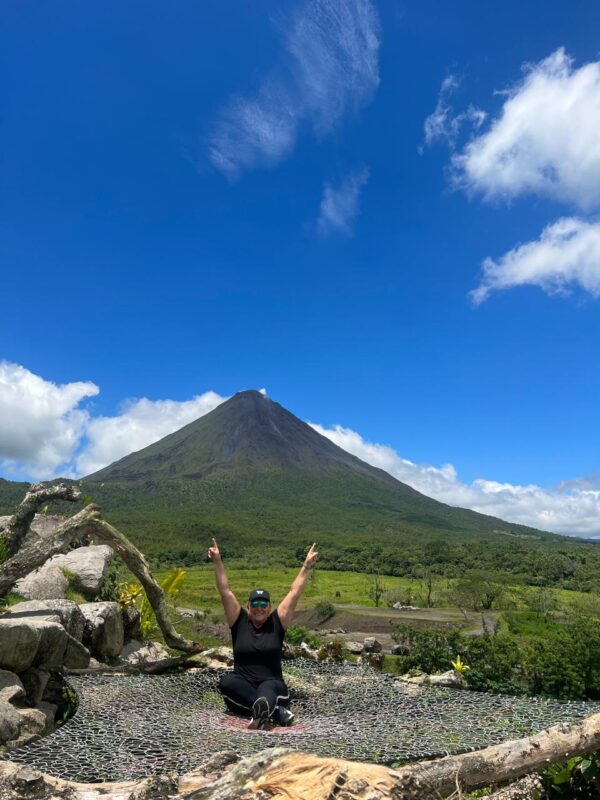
x=287, y=607
x=230, y=603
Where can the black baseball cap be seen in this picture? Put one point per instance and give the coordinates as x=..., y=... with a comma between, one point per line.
x=259, y=594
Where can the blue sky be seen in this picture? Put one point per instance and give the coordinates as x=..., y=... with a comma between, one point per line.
x=384, y=213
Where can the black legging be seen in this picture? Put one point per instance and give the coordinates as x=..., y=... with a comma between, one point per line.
x=239, y=694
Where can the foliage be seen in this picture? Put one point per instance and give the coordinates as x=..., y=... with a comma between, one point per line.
x=576, y=779
x=428, y=649
x=296, y=634
x=459, y=666
x=324, y=610
x=133, y=594
x=110, y=585
x=376, y=588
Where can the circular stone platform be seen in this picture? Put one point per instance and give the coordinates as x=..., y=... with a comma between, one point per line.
x=128, y=727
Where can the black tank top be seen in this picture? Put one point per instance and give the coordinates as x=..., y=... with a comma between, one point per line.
x=257, y=653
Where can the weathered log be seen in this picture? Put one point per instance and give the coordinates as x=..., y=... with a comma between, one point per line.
x=18, y=525
x=32, y=556
x=428, y=780
x=136, y=562
x=148, y=668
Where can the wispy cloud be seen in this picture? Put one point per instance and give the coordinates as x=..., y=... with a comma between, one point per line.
x=340, y=203
x=566, y=254
x=573, y=508
x=545, y=139
x=332, y=51
x=444, y=123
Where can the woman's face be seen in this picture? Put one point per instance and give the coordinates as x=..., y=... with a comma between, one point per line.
x=258, y=612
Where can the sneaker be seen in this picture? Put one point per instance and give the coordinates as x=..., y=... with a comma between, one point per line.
x=283, y=716
x=260, y=714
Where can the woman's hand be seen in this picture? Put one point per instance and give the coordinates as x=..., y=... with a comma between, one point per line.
x=213, y=551
x=311, y=557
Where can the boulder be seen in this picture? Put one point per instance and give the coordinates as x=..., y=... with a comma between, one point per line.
x=88, y=564
x=10, y=722
x=131, y=623
x=45, y=583
x=32, y=721
x=103, y=633
x=355, y=648
x=49, y=711
x=66, y=612
x=11, y=687
x=27, y=642
x=371, y=645
x=400, y=650
x=35, y=681
x=136, y=652
x=451, y=679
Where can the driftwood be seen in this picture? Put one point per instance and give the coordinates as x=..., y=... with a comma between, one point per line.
x=139, y=566
x=430, y=780
x=145, y=668
x=33, y=555
x=18, y=525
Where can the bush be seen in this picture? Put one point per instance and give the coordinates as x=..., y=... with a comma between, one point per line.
x=325, y=610
x=427, y=649
x=296, y=634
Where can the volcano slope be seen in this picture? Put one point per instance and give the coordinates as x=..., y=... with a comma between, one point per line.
x=257, y=477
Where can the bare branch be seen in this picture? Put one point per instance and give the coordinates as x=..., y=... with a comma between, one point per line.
x=138, y=565
x=18, y=525
x=37, y=553
x=504, y=762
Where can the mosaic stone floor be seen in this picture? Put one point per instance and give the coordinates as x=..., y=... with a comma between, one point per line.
x=127, y=727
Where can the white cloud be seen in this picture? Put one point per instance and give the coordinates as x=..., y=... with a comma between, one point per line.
x=332, y=54
x=574, y=508
x=340, y=204
x=141, y=423
x=40, y=422
x=443, y=123
x=545, y=140
x=566, y=254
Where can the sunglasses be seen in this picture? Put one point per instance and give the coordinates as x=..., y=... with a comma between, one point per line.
x=259, y=603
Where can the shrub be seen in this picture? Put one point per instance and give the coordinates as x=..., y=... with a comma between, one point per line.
x=296, y=634
x=325, y=610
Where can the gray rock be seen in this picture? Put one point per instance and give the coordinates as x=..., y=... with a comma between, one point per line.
x=35, y=642
x=355, y=648
x=400, y=650
x=371, y=645
x=35, y=681
x=76, y=656
x=89, y=565
x=32, y=721
x=10, y=722
x=11, y=688
x=131, y=623
x=136, y=652
x=103, y=633
x=49, y=711
x=46, y=583
x=451, y=679
x=66, y=612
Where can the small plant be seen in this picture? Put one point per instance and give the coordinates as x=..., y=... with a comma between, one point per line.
x=459, y=666
x=133, y=594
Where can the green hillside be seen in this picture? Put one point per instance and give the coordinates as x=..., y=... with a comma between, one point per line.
x=266, y=484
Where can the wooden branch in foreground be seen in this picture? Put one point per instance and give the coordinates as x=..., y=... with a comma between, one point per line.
x=34, y=555
x=138, y=565
x=20, y=522
x=432, y=780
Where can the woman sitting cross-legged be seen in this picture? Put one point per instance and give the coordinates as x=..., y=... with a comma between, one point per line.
x=255, y=687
